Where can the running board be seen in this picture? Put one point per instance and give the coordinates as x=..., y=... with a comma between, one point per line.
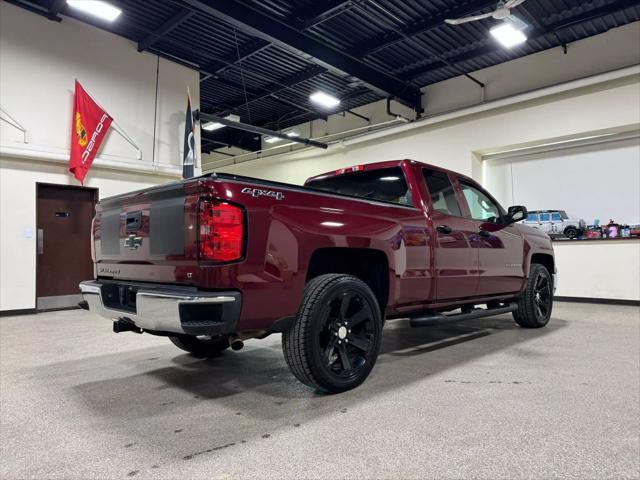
x=438, y=317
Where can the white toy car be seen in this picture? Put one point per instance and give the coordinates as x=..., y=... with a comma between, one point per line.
x=555, y=223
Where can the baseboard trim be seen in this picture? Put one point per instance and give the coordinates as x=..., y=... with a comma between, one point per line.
x=20, y=311
x=604, y=301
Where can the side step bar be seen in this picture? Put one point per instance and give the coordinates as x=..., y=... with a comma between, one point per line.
x=438, y=317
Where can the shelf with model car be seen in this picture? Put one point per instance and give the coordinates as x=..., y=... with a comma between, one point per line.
x=560, y=226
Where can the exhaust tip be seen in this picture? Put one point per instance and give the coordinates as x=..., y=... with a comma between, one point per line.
x=236, y=344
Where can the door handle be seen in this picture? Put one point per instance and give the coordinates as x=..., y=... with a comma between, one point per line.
x=484, y=233
x=444, y=229
x=40, y=241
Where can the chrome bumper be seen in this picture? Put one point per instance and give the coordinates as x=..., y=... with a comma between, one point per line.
x=168, y=310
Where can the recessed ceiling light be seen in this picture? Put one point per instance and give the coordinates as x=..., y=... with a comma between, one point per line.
x=507, y=35
x=324, y=99
x=272, y=139
x=97, y=8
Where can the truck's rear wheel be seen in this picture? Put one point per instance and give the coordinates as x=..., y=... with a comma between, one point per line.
x=335, y=340
x=201, y=346
x=536, y=302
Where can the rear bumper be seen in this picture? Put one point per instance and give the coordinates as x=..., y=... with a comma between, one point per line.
x=159, y=308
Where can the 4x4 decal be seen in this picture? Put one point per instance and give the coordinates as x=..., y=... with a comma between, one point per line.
x=256, y=192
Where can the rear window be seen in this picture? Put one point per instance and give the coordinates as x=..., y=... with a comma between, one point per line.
x=384, y=185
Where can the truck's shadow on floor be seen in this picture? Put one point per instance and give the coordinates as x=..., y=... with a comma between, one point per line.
x=248, y=394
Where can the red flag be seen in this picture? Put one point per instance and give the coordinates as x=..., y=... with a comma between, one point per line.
x=89, y=125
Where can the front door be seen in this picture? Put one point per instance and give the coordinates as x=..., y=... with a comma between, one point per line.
x=500, y=246
x=63, y=244
x=456, y=258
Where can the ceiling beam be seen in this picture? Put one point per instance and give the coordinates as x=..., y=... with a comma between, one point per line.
x=165, y=28
x=279, y=33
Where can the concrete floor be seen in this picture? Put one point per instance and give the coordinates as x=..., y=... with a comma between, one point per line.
x=482, y=399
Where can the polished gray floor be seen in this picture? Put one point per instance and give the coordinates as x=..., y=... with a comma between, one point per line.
x=483, y=399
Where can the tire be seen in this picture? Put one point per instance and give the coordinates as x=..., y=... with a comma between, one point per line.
x=571, y=232
x=201, y=347
x=536, y=302
x=320, y=348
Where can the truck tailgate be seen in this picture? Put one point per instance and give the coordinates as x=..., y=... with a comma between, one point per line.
x=149, y=235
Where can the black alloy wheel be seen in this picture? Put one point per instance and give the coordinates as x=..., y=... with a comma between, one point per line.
x=347, y=338
x=536, y=302
x=334, y=343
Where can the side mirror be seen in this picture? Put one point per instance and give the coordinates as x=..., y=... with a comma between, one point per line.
x=517, y=213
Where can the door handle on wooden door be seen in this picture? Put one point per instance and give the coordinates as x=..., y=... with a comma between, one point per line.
x=40, y=241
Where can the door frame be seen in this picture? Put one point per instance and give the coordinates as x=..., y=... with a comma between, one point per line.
x=94, y=190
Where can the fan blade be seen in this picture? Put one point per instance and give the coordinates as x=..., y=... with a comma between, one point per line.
x=513, y=3
x=458, y=21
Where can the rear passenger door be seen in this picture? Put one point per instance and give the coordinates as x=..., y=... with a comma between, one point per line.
x=500, y=246
x=456, y=259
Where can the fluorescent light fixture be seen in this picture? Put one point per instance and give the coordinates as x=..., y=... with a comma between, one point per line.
x=272, y=139
x=507, y=35
x=389, y=179
x=293, y=133
x=211, y=126
x=97, y=8
x=324, y=99
x=332, y=224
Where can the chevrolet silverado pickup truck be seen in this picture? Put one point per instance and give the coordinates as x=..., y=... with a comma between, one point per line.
x=212, y=261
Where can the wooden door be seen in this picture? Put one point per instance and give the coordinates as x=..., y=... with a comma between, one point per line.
x=63, y=243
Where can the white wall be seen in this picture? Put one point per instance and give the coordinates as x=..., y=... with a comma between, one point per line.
x=596, y=181
x=39, y=61
x=457, y=143
x=599, y=269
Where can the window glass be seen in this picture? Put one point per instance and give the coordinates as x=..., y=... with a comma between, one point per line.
x=532, y=217
x=443, y=196
x=480, y=205
x=544, y=217
x=385, y=185
x=556, y=217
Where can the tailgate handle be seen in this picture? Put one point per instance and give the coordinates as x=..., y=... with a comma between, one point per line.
x=133, y=221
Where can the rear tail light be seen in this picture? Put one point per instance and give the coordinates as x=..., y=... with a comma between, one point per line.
x=221, y=231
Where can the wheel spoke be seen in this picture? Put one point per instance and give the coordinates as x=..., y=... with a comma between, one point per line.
x=359, y=317
x=344, y=358
x=344, y=306
x=360, y=342
x=329, y=351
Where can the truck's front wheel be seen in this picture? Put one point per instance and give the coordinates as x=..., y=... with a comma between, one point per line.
x=536, y=302
x=335, y=340
x=201, y=346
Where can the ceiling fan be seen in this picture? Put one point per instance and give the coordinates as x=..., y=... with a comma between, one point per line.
x=502, y=12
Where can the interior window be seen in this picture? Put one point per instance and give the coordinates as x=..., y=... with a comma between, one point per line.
x=481, y=206
x=384, y=184
x=443, y=196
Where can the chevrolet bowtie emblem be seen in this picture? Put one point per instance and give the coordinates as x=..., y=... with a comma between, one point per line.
x=132, y=242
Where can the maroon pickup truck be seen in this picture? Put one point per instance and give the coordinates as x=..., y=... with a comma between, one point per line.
x=212, y=261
